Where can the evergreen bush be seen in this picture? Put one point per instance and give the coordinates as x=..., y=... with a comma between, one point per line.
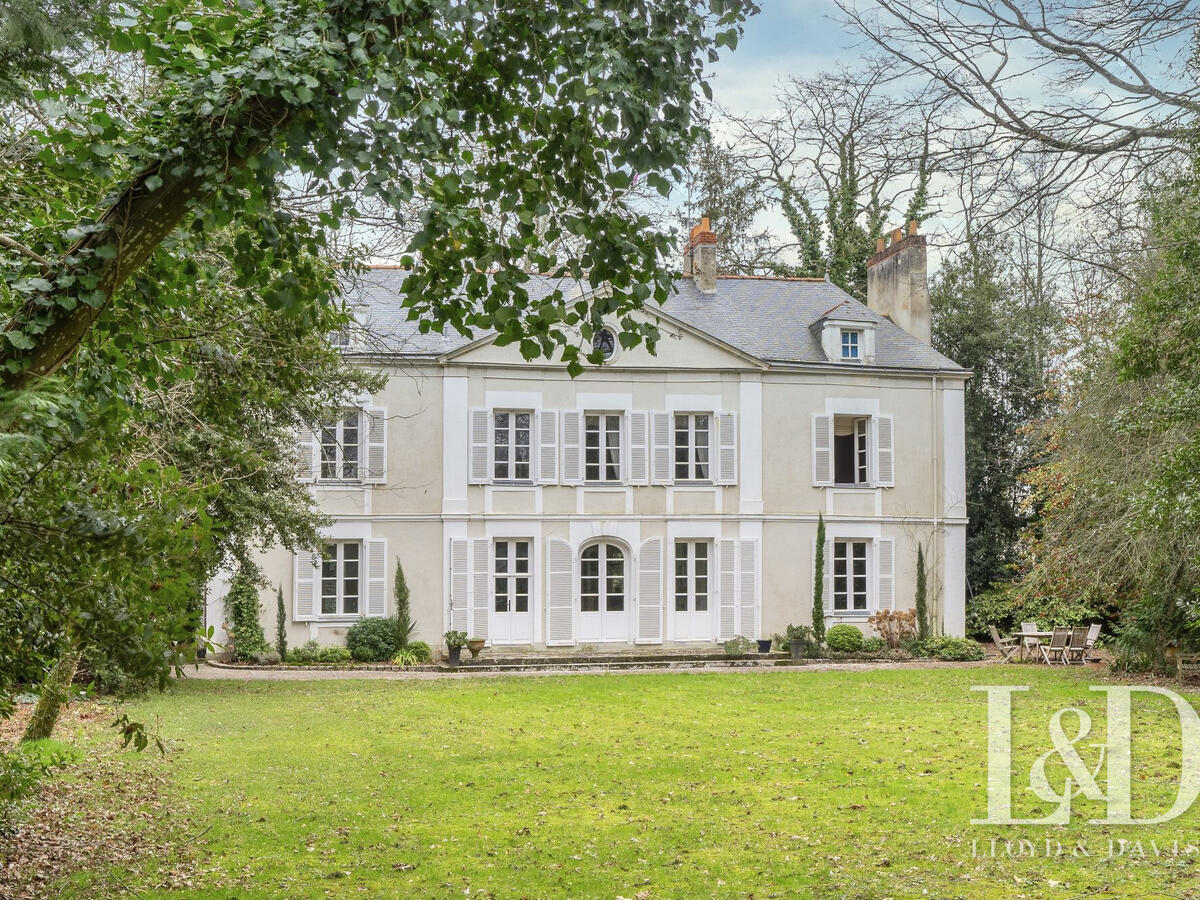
x=405, y=623
x=372, y=640
x=844, y=639
x=818, y=604
x=280, y=625
x=242, y=614
x=920, y=600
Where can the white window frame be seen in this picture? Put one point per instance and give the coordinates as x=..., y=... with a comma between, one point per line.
x=511, y=477
x=851, y=339
x=689, y=559
x=511, y=574
x=691, y=447
x=339, y=446
x=604, y=561
x=864, y=475
x=869, y=595
x=603, y=445
x=340, y=594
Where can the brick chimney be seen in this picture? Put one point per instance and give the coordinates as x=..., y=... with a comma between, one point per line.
x=896, y=282
x=700, y=257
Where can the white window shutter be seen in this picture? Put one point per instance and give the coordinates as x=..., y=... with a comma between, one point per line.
x=572, y=447
x=304, y=586
x=822, y=449
x=480, y=595
x=726, y=448
x=639, y=448
x=747, y=588
x=307, y=466
x=664, y=454
x=547, y=442
x=376, y=430
x=727, y=589
x=481, y=457
x=886, y=572
x=376, y=553
x=650, y=592
x=885, y=455
x=459, y=584
x=560, y=593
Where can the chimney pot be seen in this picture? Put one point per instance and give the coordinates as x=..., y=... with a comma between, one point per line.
x=880, y=243
x=700, y=257
x=897, y=236
x=912, y=226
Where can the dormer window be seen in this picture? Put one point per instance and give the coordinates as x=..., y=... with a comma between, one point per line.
x=604, y=342
x=851, y=345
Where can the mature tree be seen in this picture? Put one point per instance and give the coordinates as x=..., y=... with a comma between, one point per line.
x=720, y=184
x=982, y=322
x=841, y=156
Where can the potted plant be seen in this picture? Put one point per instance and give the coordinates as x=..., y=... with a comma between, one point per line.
x=475, y=645
x=455, y=641
x=799, y=637
x=764, y=645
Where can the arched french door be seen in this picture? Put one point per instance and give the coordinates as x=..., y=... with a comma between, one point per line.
x=603, y=593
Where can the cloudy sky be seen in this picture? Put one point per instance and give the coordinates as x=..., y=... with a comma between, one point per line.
x=789, y=37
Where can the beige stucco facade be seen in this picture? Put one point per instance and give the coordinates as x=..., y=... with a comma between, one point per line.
x=440, y=511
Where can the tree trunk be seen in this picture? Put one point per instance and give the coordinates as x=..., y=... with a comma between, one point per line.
x=55, y=690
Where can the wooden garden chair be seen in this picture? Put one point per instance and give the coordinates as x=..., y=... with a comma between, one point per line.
x=1076, y=646
x=1187, y=665
x=1006, y=645
x=1055, y=651
x=1093, y=635
x=1029, y=644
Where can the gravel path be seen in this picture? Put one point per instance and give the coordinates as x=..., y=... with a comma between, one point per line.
x=213, y=673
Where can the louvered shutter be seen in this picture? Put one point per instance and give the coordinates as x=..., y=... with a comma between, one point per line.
x=376, y=553
x=480, y=577
x=822, y=449
x=547, y=459
x=727, y=590
x=885, y=456
x=663, y=452
x=480, y=468
x=886, y=572
x=726, y=448
x=376, y=471
x=747, y=588
x=304, y=586
x=650, y=592
x=458, y=584
x=572, y=452
x=639, y=448
x=307, y=465
x=560, y=593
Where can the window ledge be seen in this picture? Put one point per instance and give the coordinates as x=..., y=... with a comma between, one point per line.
x=338, y=619
x=340, y=482
x=853, y=487
x=849, y=613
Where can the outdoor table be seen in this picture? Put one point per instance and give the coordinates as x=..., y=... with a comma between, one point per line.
x=1040, y=635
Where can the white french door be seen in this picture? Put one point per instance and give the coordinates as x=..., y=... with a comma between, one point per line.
x=510, y=618
x=603, y=597
x=692, y=606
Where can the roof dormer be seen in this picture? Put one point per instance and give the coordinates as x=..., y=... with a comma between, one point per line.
x=848, y=341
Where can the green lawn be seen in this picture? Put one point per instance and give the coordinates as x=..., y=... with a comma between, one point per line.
x=771, y=784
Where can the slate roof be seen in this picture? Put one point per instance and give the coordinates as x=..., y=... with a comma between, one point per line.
x=770, y=319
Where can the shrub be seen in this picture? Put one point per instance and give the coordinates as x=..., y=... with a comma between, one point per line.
x=950, y=649
x=922, y=615
x=405, y=623
x=818, y=604
x=105, y=675
x=894, y=627
x=874, y=644
x=844, y=639
x=413, y=654
x=455, y=639
x=242, y=610
x=21, y=769
x=372, y=640
x=1008, y=605
x=266, y=658
x=305, y=655
x=738, y=646
x=334, y=655
x=280, y=625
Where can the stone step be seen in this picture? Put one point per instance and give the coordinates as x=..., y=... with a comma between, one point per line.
x=530, y=664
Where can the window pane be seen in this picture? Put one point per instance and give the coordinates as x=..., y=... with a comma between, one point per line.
x=350, y=605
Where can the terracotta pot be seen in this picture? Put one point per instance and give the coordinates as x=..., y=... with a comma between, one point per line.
x=475, y=646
